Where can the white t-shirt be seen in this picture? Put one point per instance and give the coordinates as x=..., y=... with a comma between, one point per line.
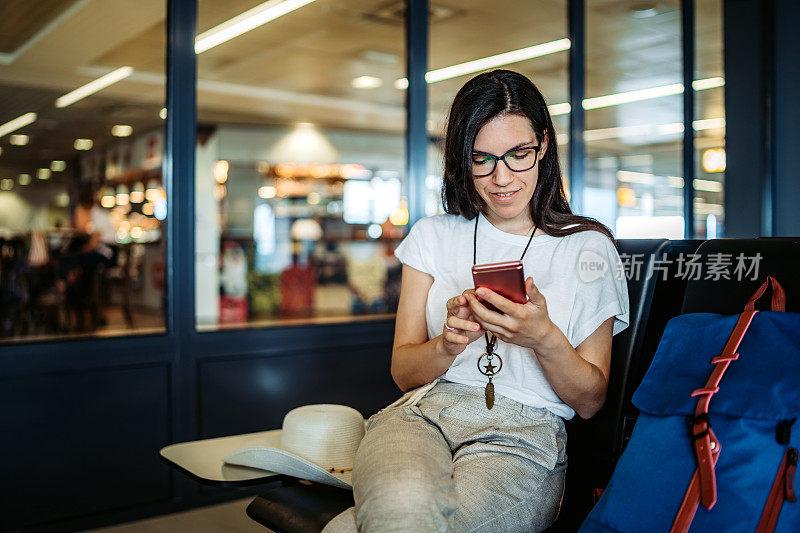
x=577, y=274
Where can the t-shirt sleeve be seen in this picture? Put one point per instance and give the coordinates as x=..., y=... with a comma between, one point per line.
x=414, y=250
x=602, y=290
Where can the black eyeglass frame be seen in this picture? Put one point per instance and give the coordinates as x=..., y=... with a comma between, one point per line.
x=503, y=159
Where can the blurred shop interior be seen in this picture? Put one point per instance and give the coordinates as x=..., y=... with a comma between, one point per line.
x=200, y=199
x=301, y=192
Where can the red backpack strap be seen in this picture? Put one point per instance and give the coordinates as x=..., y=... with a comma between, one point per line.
x=782, y=490
x=701, y=426
x=703, y=485
x=778, y=295
x=691, y=500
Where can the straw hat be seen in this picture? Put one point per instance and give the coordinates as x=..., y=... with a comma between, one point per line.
x=318, y=443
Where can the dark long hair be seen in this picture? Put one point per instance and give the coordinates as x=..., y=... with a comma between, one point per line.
x=484, y=97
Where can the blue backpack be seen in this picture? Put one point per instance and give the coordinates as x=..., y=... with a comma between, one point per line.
x=713, y=447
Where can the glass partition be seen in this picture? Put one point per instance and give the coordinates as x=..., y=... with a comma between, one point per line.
x=301, y=193
x=82, y=205
x=634, y=117
x=710, y=122
x=470, y=38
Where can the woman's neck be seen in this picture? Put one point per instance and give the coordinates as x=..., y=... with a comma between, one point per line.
x=517, y=226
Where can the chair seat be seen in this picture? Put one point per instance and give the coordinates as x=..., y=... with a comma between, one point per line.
x=299, y=506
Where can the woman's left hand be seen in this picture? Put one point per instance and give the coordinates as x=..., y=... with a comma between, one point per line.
x=525, y=324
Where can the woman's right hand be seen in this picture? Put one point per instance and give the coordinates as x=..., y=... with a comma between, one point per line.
x=462, y=329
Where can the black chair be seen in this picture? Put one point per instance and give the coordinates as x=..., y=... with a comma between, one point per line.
x=779, y=258
x=670, y=288
x=593, y=445
x=677, y=295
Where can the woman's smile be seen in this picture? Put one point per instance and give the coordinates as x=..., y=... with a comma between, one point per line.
x=505, y=196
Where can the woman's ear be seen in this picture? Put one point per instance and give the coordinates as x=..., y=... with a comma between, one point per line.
x=543, y=145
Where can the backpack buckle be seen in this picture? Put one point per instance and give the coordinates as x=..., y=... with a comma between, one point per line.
x=693, y=420
x=783, y=433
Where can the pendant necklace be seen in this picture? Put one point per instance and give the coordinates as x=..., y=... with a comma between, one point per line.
x=489, y=370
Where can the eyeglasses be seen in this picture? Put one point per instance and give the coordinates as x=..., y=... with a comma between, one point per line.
x=517, y=160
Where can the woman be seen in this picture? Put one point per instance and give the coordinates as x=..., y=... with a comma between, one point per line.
x=444, y=457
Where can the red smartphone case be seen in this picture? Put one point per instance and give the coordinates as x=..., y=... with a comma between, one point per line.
x=506, y=279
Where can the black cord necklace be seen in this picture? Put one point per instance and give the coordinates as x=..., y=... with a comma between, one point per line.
x=490, y=370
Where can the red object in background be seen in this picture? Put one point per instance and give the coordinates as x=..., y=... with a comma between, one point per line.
x=232, y=309
x=158, y=275
x=297, y=290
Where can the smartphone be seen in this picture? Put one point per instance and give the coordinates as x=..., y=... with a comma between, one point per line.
x=506, y=279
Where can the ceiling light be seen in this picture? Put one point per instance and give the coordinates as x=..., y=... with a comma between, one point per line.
x=635, y=177
x=43, y=173
x=122, y=196
x=92, y=87
x=645, y=178
x=267, y=191
x=374, y=231
x=6, y=184
x=137, y=193
x=708, y=185
x=383, y=58
x=400, y=215
x=647, y=129
x=83, y=144
x=153, y=192
x=714, y=160
x=121, y=130
x=707, y=83
x=109, y=199
x=58, y=166
x=24, y=179
x=62, y=199
x=366, y=82
x=17, y=123
x=249, y=20
x=632, y=96
x=19, y=140
x=636, y=96
x=559, y=109
x=626, y=197
x=506, y=58
x=221, y=171
x=709, y=124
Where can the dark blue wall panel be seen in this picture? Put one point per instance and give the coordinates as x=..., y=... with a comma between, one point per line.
x=787, y=118
x=82, y=443
x=242, y=395
x=745, y=103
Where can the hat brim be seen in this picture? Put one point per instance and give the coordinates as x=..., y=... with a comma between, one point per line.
x=283, y=462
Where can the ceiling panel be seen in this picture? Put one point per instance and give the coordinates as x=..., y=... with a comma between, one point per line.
x=20, y=20
x=300, y=67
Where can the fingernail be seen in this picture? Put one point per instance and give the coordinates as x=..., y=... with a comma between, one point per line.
x=480, y=292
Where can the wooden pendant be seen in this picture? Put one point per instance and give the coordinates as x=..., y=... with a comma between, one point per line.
x=489, y=395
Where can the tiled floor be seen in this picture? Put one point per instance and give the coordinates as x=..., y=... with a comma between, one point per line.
x=227, y=517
